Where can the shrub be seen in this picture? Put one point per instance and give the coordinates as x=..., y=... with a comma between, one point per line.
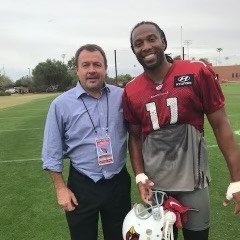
x=5, y=93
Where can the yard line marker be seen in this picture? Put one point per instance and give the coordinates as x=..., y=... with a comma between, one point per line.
x=233, y=115
x=211, y=146
x=21, y=160
x=237, y=132
x=19, y=129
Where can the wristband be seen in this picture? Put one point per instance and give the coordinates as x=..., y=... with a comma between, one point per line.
x=141, y=177
x=232, y=188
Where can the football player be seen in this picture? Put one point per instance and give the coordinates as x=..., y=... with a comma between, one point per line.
x=164, y=108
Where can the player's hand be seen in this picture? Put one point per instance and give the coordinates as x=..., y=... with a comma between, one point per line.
x=66, y=199
x=233, y=193
x=145, y=190
x=236, y=198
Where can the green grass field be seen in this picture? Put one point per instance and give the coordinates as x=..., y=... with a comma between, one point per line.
x=28, y=209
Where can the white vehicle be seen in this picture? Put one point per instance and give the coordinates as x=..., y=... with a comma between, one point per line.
x=11, y=90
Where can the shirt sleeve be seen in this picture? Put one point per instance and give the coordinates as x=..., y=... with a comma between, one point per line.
x=211, y=93
x=128, y=112
x=52, y=150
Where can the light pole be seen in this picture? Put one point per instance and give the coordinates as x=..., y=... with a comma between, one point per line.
x=3, y=70
x=188, y=42
x=29, y=72
x=63, y=57
x=219, y=50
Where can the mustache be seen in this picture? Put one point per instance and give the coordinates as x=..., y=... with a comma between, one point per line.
x=93, y=75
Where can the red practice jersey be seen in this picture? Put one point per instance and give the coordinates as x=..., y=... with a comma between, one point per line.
x=189, y=90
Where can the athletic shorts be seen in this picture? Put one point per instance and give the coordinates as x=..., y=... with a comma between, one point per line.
x=198, y=199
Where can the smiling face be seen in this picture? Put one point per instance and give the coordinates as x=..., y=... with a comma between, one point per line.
x=91, y=71
x=148, y=46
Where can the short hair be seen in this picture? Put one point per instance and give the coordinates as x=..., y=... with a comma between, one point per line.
x=90, y=48
x=162, y=34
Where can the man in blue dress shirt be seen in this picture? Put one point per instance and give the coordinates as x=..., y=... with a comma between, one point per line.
x=85, y=124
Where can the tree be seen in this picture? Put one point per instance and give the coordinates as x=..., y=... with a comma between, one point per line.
x=71, y=64
x=5, y=81
x=122, y=79
x=205, y=60
x=51, y=74
x=178, y=57
x=24, y=81
x=72, y=69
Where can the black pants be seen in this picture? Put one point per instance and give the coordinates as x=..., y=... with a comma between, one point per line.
x=111, y=198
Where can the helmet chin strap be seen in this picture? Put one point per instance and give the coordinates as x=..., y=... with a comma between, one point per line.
x=170, y=219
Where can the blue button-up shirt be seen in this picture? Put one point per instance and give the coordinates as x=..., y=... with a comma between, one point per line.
x=69, y=131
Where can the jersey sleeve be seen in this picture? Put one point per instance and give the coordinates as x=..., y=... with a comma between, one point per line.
x=128, y=111
x=211, y=93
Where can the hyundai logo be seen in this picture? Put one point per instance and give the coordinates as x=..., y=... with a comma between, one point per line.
x=183, y=78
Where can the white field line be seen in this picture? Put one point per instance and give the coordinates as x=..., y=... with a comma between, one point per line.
x=215, y=145
x=237, y=132
x=22, y=110
x=212, y=146
x=38, y=159
x=33, y=116
x=233, y=115
x=19, y=129
x=20, y=160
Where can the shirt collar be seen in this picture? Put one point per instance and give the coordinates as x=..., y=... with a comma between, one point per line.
x=80, y=91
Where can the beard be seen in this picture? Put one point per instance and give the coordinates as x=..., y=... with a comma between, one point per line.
x=154, y=64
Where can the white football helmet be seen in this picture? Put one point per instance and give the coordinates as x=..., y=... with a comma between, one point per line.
x=149, y=223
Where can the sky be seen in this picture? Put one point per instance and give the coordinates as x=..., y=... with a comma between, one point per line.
x=33, y=31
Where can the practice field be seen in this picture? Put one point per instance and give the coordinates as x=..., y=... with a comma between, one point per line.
x=16, y=99
x=28, y=209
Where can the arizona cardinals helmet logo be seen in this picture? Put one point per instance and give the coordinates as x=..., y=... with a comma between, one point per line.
x=132, y=234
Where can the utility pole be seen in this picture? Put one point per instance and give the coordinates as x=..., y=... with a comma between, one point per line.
x=181, y=43
x=115, y=60
x=183, y=54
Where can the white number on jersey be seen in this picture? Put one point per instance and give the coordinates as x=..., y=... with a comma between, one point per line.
x=151, y=107
x=171, y=103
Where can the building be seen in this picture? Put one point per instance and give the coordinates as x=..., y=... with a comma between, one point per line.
x=230, y=73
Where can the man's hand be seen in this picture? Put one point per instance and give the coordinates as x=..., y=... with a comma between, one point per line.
x=66, y=199
x=145, y=190
x=233, y=192
x=236, y=197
